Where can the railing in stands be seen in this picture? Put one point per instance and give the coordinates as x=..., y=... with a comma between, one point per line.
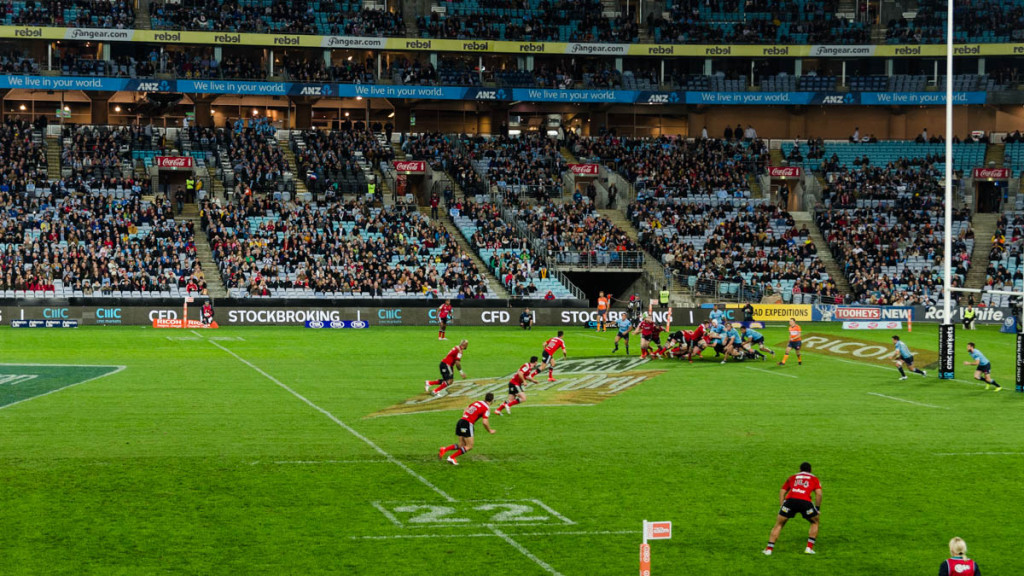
x=613, y=260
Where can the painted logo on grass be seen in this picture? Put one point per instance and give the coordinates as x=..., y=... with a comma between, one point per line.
x=579, y=382
x=21, y=382
x=862, y=350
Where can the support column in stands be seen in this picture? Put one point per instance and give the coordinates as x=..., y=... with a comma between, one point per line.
x=303, y=116
x=204, y=105
x=100, y=103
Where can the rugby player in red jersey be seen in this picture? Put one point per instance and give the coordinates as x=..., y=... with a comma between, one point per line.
x=649, y=333
x=547, y=358
x=795, y=498
x=479, y=410
x=452, y=360
x=444, y=315
x=515, y=387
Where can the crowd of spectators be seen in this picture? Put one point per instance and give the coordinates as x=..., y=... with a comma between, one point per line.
x=92, y=244
x=24, y=161
x=1006, y=266
x=96, y=150
x=71, y=13
x=504, y=250
x=543, y=20
x=757, y=22
x=673, y=166
x=441, y=152
x=916, y=178
x=339, y=249
x=256, y=159
x=330, y=157
x=572, y=230
x=529, y=164
x=756, y=245
x=281, y=16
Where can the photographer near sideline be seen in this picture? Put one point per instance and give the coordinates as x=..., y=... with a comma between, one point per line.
x=526, y=319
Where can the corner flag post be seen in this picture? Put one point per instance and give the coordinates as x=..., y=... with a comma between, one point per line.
x=653, y=531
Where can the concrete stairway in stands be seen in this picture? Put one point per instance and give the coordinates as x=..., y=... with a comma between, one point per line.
x=53, y=149
x=653, y=269
x=493, y=284
x=300, y=184
x=984, y=226
x=204, y=254
x=824, y=254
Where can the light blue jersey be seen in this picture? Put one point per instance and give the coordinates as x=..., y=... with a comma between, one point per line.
x=623, y=325
x=977, y=355
x=754, y=335
x=732, y=333
x=717, y=315
x=902, y=348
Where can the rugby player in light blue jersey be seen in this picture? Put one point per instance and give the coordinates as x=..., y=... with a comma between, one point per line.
x=983, y=368
x=902, y=356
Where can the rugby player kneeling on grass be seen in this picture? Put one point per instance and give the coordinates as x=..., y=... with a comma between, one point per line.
x=479, y=410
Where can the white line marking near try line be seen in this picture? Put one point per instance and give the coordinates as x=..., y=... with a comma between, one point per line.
x=772, y=372
x=491, y=535
x=337, y=421
x=907, y=401
x=979, y=454
x=522, y=550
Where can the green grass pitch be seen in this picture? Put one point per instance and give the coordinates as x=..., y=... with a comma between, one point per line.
x=294, y=451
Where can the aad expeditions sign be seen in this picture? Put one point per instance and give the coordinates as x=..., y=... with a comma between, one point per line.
x=580, y=382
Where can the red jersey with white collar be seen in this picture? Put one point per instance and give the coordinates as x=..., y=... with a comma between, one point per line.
x=454, y=356
x=476, y=411
x=554, y=345
x=519, y=378
x=801, y=486
x=444, y=311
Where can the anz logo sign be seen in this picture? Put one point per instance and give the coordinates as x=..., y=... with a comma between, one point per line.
x=324, y=90
x=669, y=98
x=838, y=99
x=490, y=95
x=161, y=86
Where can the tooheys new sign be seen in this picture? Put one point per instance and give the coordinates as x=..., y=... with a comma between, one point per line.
x=585, y=169
x=785, y=171
x=410, y=166
x=991, y=173
x=173, y=161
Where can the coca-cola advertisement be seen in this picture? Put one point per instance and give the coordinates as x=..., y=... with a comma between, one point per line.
x=410, y=166
x=785, y=171
x=585, y=169
x=173, y=161
x=994, y=173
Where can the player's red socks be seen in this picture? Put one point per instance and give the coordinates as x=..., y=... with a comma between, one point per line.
x=810, y=543
x=441, y=387
x=512, y=403
x=460, y=451
x=448, y=449
x=433, y=382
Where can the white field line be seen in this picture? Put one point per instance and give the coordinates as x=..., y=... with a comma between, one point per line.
x=387, y=513
x=979, y=454
x=337, y=421
x=522, y=550
x=552, y=511
x=196, y=333
x=773, y=373
x=907, y=401
x=843, y=360
x=518, y=407
x=319, y=462
x=117, y=369
x=492, y=535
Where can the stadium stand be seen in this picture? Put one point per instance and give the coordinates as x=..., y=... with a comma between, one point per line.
x=1006, y=267
x=63, y=245
x=256, y=161
x=291, y=17
x=757, y=22
x=336, y=250
x=336, y=163
x=575, y=233
x=96, y=152
x=534, y=20
x=76, y=13
x=24, y=153
x=836, y=156
x=527, y=165
x=520, y=269
x=441, y=151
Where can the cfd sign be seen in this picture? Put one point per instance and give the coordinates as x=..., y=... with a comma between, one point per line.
x=495, y=316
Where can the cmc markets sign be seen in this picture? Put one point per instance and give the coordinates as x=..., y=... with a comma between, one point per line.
x=991, y=173
x=410, y=166
x=785, y=171
x=173, y=162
